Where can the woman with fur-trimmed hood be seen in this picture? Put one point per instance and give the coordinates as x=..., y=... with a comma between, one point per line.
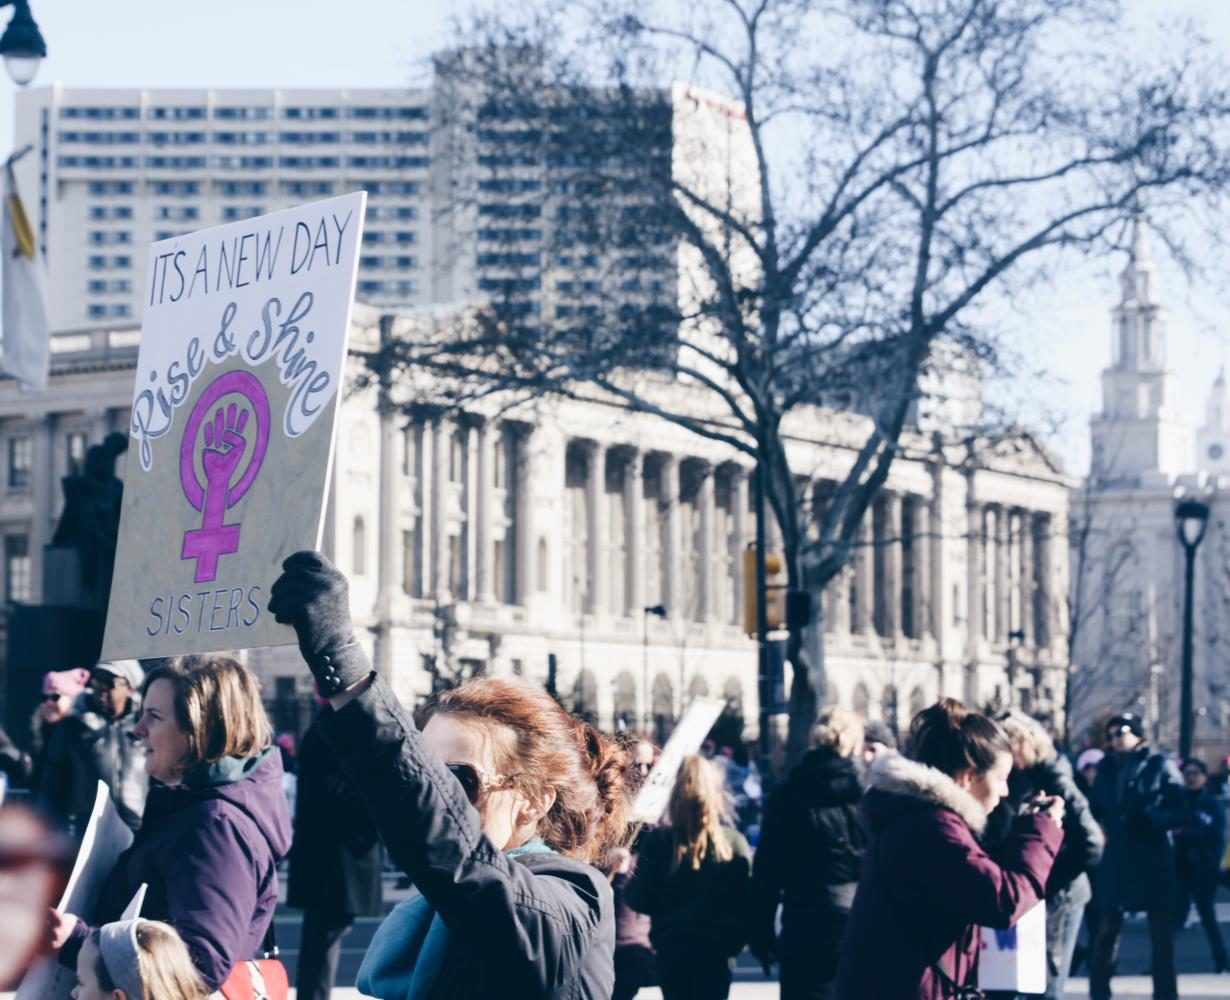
x=926, y=884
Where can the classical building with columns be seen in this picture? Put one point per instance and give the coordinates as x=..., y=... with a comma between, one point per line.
x=531, y=544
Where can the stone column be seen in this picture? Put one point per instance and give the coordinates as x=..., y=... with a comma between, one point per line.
x=597, y=553
x=1045, y=593
x=389, y=554
x=975, y=564
x=100, y=425
x=672, y=589
x=864, y=569
x=921, y=548
x=893, y=564
x=634, y=533
x=525, y=551
x=1027, y=583
x=484, y=583
x=705, y=502
x=742, y=535
x=441, y=446
x=42, y=485
x=425, y=486
x=1003, y=574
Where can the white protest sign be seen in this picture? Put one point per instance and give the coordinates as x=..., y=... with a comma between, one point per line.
x=1014, y=960
x=243, y=347
x=106, y=838
x=686, y=739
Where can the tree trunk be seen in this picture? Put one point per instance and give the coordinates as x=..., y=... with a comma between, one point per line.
x=805, y=651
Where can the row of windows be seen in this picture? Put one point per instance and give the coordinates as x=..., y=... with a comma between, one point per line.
x=114, y=310
x=388, y=137
x=404, y=263
x=372, y=237
x=101, y=237
x=100, y=213
x=406, y=286
x=189, y=188
x=258, y=113
x=98, y=263
x=97, y=286
x=243, y=162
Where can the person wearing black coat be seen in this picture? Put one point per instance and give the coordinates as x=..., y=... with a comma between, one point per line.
x=1199, y=843
x=334, y=864
x=495, y=808
x=808, y=859
x=1138, y=797
x=1038, y=769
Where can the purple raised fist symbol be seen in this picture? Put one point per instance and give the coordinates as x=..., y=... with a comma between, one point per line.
x=218, y=431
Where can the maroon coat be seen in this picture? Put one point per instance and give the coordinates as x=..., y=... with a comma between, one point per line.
x=927, y=886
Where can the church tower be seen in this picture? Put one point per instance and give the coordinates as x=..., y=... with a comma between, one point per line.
x=1138, y=437
x=1213, y=440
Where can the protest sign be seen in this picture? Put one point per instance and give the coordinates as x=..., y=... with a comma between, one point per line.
x=243, y=344
x=685, y=739
x=106, y=838
x=1014, y=960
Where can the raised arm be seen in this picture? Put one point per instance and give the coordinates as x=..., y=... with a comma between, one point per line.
x=540, y=924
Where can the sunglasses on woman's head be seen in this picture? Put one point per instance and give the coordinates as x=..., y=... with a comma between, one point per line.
x=476, y=783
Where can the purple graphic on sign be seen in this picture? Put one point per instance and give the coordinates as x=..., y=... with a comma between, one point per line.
x=223, y=445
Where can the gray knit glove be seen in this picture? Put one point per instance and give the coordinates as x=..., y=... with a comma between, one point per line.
x=313, y=597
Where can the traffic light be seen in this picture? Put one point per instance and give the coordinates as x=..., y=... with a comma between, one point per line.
x=775, y=590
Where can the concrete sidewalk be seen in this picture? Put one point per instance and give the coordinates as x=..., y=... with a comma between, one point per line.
x=1199, y=987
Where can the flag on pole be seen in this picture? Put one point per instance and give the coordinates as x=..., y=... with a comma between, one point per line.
x=25, y=342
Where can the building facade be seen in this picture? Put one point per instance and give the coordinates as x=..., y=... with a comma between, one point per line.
x=530, y=544
x=1127, y=564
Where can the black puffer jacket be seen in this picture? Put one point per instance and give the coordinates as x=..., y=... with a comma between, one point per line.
x=1083, y=840
x=810, y=851
x=537, y=926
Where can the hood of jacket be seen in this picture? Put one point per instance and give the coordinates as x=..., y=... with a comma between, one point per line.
x=825, y=778
x=253, y=786
x=896, y=785
x=87, y=713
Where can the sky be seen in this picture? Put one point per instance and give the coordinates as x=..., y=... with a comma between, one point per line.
x=384, y=43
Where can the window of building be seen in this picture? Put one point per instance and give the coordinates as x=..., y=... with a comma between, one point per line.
x=21, y=462
x=17, y=567
x=409, y=564
x=359, y=544
x=75, y=444
x=96, y=310
x=408, y=446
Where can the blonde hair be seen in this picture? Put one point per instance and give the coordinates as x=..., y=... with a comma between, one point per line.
x=698, y=807
x=1031, y=743
x=840, y=729
x=165, y=965
x=217, y=706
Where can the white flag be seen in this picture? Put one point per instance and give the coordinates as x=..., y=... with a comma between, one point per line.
x=25, y=343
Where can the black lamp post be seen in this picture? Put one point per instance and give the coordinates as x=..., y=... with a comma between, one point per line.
x=1191, y=520
x=660, y=612
x=22, y=44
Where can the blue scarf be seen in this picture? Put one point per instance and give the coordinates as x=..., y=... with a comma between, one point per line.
x=407, y=952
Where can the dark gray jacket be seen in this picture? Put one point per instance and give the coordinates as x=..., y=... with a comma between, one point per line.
x=1139, y=798
x=86, y=748
x=537, y=926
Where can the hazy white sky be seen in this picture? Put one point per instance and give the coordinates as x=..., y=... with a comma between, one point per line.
x=377, y=43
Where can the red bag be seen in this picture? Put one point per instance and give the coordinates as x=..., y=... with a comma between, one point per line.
x=257, y=979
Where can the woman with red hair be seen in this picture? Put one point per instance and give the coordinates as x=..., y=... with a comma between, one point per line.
x=497, y=809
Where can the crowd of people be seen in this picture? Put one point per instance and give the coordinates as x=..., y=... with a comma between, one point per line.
x=869, y=870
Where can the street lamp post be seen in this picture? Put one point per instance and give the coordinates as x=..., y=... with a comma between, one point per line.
x=1191, y=520
x=22, y=44
x=660, y=612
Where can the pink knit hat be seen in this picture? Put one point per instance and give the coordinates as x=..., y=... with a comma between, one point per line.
x=69, y=682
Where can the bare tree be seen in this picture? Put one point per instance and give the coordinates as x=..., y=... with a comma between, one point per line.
x=832, y=197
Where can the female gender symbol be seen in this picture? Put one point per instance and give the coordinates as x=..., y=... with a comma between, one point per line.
x=224, y=447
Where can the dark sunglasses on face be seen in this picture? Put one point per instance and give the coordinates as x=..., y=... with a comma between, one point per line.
x=52, y=697
x=476, y=783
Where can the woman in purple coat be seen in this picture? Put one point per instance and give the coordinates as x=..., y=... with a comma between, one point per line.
x=926, y=883
x=216, y=822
